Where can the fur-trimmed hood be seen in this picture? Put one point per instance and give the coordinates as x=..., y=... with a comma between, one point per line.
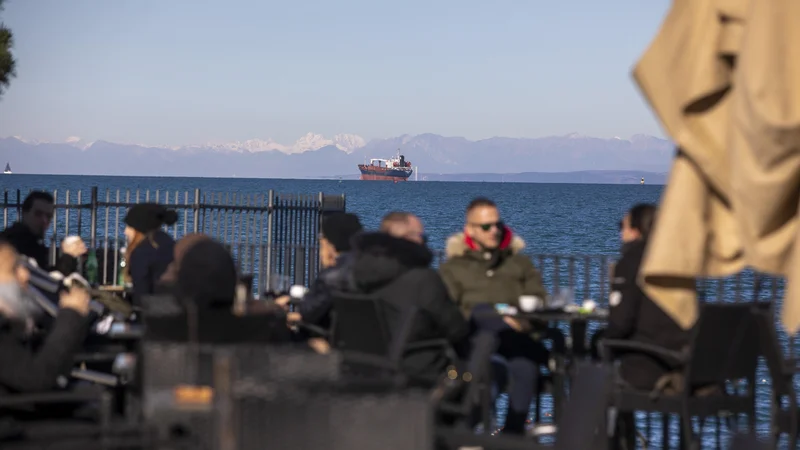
x=457, y=245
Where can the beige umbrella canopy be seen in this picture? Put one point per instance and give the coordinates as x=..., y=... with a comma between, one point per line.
x=723, y=76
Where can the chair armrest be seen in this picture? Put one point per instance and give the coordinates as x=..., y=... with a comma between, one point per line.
x=443, y=344
x=37, y=398
x=615, y=345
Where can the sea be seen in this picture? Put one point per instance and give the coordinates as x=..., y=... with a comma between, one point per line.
x=555, y=219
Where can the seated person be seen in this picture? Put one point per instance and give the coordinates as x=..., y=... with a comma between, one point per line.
x=26, y=235
x=149, y=250
x=394, y=265
x=632, y=314
x=170, y=276
x=335, y=244
x=206, y=287
x=485, y=266
x=25, y=367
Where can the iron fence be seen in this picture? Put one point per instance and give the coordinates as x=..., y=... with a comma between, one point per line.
x=267, y=233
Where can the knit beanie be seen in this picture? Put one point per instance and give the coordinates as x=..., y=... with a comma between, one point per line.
x=147, y=217
x=339, y=229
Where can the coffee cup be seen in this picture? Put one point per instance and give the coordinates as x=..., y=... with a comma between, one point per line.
x=589, y=305
x=528, y=303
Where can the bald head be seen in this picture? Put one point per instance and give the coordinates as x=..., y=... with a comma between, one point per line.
x=404, y=225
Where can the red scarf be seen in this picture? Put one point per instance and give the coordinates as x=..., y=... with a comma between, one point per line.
x=508, y=235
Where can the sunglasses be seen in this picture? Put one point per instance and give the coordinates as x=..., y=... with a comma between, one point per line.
x=488, y=226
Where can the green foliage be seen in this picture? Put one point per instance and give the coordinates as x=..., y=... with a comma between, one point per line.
x=7, y=62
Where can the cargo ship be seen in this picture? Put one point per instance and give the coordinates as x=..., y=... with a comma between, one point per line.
x=394, y=169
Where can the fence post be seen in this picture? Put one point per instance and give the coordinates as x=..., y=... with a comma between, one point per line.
x=93, y=230
x=270, y=220
x=300, y=265
x=196, y=210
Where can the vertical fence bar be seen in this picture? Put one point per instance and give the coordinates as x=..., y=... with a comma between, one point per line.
x=93, y=212
x=270, y=218
x=196, y=209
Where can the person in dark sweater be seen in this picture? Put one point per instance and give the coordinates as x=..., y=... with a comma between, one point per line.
x=150, y=250
x=632, y=314
x=394, y=266
x=635, y=317
x=335, y=244
x=26, y=236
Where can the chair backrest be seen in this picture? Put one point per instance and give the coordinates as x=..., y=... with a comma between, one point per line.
x=359, y=325
x=165, y=320
x=360, y=330
x=773, y=354
x=722, y=346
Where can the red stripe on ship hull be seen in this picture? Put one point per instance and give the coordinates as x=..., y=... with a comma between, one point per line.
x=381, y=178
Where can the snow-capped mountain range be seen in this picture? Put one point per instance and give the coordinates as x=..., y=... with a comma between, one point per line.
x=347, y=143
x=314, y=155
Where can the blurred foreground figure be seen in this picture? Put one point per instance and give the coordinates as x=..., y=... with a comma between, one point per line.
x=25, y=364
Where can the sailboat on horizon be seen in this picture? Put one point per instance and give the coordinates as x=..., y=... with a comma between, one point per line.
x=8, y=169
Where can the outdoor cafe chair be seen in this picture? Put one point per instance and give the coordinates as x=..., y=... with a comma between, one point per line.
x=721, y=350
x=785, y=411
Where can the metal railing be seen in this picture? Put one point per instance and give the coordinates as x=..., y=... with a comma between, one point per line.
x=265, y=232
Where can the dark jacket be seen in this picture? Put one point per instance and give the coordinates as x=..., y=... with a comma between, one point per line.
x=398, y=272
x=149, y=261
x=634, y=316
x=24, y=368
x=475, y=276
x=316, y=305
x=28, y=244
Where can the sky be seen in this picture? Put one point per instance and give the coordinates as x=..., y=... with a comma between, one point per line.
x=178, y=72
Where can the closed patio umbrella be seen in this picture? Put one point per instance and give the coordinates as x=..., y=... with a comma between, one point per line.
x=723, y=77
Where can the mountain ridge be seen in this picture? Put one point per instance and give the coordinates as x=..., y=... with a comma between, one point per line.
x=318, y=156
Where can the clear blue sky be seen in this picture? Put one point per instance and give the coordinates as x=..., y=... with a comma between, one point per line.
x=191, y=71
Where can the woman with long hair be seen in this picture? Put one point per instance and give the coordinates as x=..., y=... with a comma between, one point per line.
x=150, y=250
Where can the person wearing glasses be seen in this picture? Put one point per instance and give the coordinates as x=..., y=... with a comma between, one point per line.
x=485, y=266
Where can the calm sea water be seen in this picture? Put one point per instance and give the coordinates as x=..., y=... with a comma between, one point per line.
x=552, y=218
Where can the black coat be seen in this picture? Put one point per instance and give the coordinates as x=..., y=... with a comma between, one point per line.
x=634, y=316
x=25, y=367
x=316, y=305
x=28, y=244
x=398, y=272
x=149, y=261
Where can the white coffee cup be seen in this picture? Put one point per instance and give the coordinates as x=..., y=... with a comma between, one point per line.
x=589, y=305
x=529, y=303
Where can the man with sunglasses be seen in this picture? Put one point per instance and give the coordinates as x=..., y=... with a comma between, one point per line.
x=485, y=266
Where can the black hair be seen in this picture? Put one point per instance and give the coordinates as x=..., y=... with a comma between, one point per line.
x=642, y=217
x=36, y=195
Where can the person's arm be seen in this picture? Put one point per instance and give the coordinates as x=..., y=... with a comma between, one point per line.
x=316, y=303
x=66, y=264
x=141, y=278
x=624, y=301
x=451, y=283
x=23, y=370
x=436, y=301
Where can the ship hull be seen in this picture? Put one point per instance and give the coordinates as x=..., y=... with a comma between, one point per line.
x=381, y=174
